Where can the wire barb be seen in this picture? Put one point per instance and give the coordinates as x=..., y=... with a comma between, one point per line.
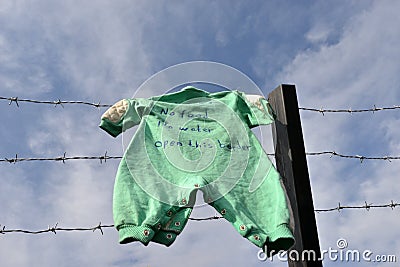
x=13, y=99
x=321, y=110
x=98, y=105
x=58, y=102
x=53, y=229
x=367, y=207
x=392, y=205
x=98, y=227
x=103, y=158
x=14, y=160
x=62, y=158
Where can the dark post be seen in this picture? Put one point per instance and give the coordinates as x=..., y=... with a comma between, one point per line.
x=291, y=163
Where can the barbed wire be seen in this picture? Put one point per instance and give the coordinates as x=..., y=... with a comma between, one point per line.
x=359, y=157
x=321, y=110
x=105, y=157
x=349, y=110
x=54, y=229
x=62, y=158
x=366, y=206
x=16, y=100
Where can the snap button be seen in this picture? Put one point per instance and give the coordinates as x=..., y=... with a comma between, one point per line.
x=177, y=223
x=256, y=237
x=184, y=201
x=209, y=200
x=146, y=232
x=169, y=236
x=196, y=185
x=242, y=227
x=223, y=211
x=169, y=213
x=159, y=226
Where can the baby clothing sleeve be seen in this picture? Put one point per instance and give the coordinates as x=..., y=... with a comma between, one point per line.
x=123, y=115
x=260, y=111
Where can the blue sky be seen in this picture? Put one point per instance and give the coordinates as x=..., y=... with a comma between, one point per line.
x=340, y=54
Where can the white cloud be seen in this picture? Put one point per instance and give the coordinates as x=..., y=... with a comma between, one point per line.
x=318, y=34
x=363, y=61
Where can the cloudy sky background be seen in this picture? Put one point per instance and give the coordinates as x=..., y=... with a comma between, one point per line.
x=340, y=54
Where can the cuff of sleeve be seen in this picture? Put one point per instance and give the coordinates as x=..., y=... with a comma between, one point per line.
x=131, y=233
x=110, y=128
x=280, y=240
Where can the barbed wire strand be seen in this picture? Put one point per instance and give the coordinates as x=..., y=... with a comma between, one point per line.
x=349, y=110
x=54, y=229
x=366, y=206
x=62, y=159
x=359, y=157
x=105, y=157
x=16, y=100
x=99, y=227
x=57, y=102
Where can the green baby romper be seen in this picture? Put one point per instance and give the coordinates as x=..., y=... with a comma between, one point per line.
x=194, y=140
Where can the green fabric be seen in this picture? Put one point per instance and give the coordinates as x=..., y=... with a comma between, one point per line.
x=194, y=140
